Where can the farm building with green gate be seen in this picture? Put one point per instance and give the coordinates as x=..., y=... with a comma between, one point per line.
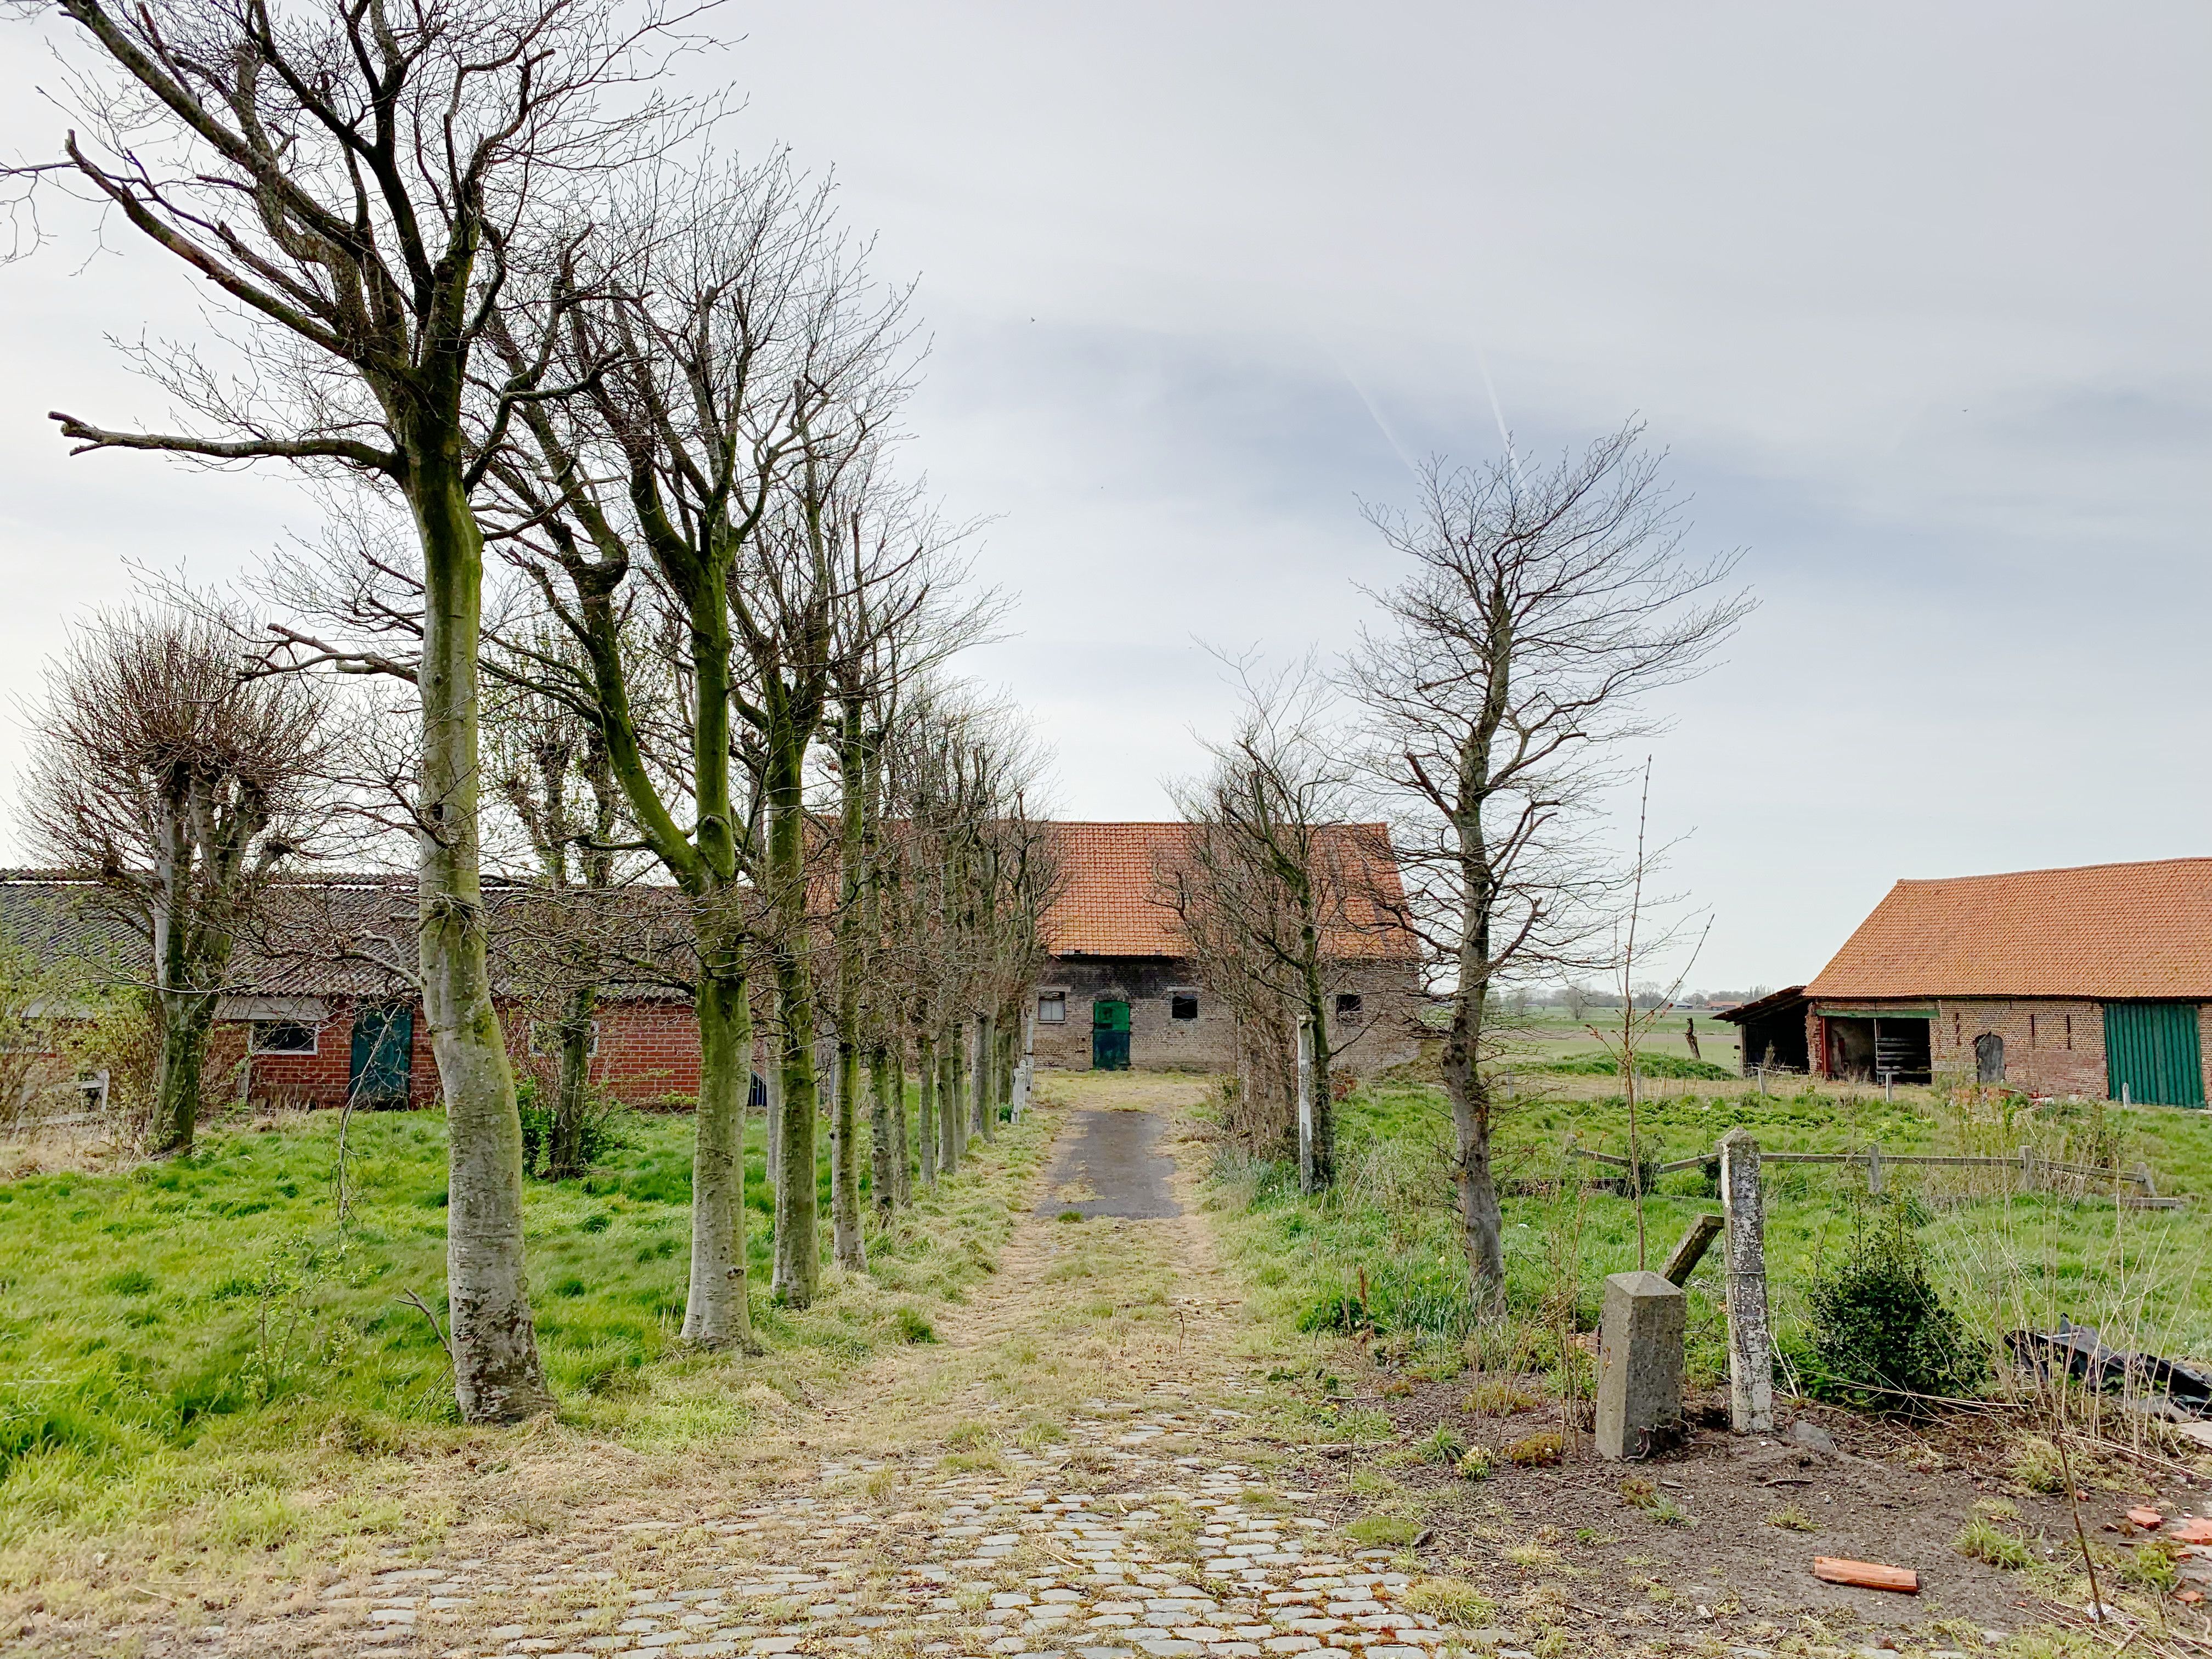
x=2094, y=982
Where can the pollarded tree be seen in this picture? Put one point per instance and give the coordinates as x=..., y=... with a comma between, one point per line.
x=184, y=786
x=1540, y=609
x=369, y=188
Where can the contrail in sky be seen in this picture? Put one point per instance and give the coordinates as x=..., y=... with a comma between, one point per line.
x=1374, y=412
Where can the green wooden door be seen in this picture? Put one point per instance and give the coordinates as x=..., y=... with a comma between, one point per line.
x=383, y=1054
x=2152, y=1054
x=1109, y=1036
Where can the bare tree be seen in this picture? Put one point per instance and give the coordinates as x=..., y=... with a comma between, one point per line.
x=369, y=189
x=1538, y=612
x=185, y=786
x=1271, y=884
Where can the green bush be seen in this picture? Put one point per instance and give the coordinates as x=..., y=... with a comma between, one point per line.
x=604, y=1130
x=1881, y=1338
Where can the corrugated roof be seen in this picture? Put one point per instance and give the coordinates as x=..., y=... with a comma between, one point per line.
x=2099, y=931
x=355, y=935
x=1109, y=901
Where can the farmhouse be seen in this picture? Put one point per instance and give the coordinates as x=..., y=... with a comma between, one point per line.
x=2094, y=982
x=1120, y=989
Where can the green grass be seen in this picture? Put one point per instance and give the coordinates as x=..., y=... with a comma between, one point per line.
x=201, y=1331
x=2144, y=1277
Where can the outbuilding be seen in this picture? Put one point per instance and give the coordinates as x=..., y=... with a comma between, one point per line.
x=2095, y=981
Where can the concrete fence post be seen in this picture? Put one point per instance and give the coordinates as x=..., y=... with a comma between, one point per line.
x=1305, y=1105
x=1874, y=1171
x=1751, y=1350
x=1639, y=1365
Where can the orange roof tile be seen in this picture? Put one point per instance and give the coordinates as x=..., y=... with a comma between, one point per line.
x=2101, y=930
x=1108, y=900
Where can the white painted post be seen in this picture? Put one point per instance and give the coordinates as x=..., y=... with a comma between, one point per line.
x=1751, y=1352
x=1306, y=1106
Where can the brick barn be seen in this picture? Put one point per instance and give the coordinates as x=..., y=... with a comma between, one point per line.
x=2094, y=982
x=1119, y=989
x=319, y=1007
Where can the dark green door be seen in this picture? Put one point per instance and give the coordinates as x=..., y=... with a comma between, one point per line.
x=382, y=1053
x=1109, y=1036
x=2152, y=1054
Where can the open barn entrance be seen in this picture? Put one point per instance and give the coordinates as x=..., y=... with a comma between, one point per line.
x=1869, y=1048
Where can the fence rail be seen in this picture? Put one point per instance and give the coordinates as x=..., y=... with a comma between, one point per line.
x=2035, y=1169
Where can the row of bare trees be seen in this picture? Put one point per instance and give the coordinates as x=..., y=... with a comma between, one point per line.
x=1482, y=724
x=607, y=424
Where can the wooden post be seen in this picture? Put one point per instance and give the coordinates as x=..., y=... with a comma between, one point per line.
x=1751, y=1354
x=1306, y=1106
x=2027, y=1171
x=1874, y=1171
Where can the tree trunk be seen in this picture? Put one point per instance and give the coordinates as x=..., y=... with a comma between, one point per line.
x=184, y=1018
x=883, y=1150
x=715, y=1313
x=1469, y=1094
x=798, y=1243
x=497, y=1377
x=925, y=1098
x=987, y=1092
x=849, y=1248
x=1324, y=1090
x=772, y=1076
x=951, y=1120
x=564, y=1154
x=901, y=1141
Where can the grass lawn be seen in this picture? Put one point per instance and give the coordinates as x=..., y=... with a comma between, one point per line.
x=198, y=1349
x=2144, y=1278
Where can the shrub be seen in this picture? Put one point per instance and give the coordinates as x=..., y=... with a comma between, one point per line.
x=1983, y=1539
x=1477, y=1464
x=1881, y=1337
x=1449, y=1602
x=2035, y=1464
x=603, y=1134
x=911, y=1326
x=1537, y=1451
x=1441, y=1444
x=1498, y=1398
x=1382, y=1530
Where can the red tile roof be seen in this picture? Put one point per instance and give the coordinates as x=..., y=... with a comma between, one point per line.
x=2102, y=930
x=1109, y=901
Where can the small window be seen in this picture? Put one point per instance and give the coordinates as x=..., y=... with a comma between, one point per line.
x=1349, y=1002
x=545, y=1038
x=1052, y=1008
x=1183, y=1005
x=281, y=1036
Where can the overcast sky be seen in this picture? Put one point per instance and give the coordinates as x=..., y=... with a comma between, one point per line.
x=1914, y=295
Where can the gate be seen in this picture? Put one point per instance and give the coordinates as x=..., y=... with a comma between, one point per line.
x=2151, y=1053
x=1109, y=1036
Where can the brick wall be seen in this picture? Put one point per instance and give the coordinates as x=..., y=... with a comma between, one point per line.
x=1382, y=1035
x=2052, y=1046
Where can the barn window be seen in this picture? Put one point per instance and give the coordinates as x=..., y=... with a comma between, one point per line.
x=1350, y=1002
x=281, y=1036
x=1183, y=1005
x=1052, y=1008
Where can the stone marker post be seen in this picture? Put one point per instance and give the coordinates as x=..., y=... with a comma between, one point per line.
x=1751, y=1352
x=1639, y=1365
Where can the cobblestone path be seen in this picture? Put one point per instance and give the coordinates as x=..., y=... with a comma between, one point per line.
x=1128, y=1521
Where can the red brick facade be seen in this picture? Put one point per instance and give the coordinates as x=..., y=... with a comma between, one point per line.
x=2052, y=1045
x=645, y=1052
